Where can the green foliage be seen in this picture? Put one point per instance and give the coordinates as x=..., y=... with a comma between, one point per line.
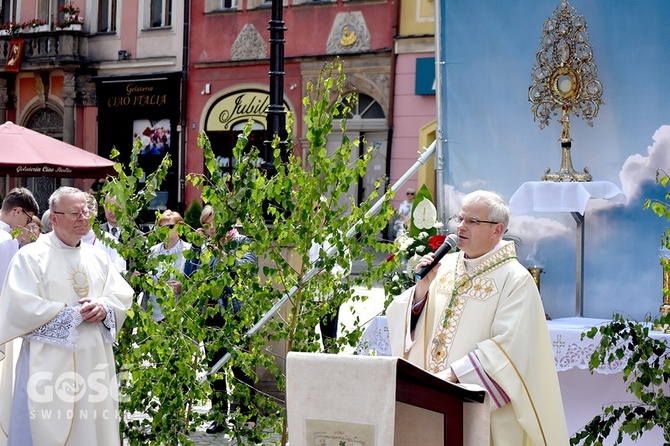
x=661, y=208
x=192, y=214
x=646, y=373
x=164, y=363
x=647, y=364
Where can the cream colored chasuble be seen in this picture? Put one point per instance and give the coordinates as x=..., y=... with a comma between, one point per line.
x=493, y=311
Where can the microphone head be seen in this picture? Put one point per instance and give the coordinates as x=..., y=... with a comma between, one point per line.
x=451, y=240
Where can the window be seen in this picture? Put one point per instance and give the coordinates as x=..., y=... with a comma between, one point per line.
x=160, y=14
x=255, y=4
x=42, y=10
x=106, y=16
x=7, y=11
x=366, y=108
x=228, y=4
x=306, y=2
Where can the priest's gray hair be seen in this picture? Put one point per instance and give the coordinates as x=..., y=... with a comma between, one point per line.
x=499, y=211
x=54, y=199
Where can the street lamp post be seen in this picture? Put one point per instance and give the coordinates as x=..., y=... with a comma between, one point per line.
x=276, y=113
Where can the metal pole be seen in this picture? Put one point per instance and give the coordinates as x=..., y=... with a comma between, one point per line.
x=440, y=199
x=331, y=251
x=579, y=287
x=276, y=113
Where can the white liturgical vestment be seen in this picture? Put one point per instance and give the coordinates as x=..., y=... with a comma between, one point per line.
x=66, y=383
x=8, y=247
x=487, y=323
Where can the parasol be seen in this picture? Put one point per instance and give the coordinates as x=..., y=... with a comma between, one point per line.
x=25, y=152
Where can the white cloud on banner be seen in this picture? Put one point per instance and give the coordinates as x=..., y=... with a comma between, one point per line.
x=532, y=229
x=638, y=168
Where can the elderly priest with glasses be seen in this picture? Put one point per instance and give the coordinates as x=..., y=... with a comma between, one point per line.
x=67, y=301
x=477, y=318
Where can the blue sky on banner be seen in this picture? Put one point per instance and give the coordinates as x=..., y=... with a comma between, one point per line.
x=493, y=143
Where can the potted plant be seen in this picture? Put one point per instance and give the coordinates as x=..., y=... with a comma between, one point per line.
x=35, y=25
x=69, y=9
x=9, y=28
x=71, y=18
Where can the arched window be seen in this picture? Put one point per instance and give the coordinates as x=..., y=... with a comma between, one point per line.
x=48, y=122
x=365, y=121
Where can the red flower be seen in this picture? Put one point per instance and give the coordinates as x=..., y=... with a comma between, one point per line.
x=391, y=257
x=436, y=241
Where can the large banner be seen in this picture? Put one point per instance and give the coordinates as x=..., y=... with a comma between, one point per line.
x=493, y=142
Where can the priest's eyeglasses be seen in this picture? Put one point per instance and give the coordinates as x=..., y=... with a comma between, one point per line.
x=471, y=220
x=75, y=214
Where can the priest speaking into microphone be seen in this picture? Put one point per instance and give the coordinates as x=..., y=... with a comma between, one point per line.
x=477, y=318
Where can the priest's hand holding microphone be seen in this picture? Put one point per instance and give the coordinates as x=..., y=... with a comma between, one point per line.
x=425, y=274
x=426, y=267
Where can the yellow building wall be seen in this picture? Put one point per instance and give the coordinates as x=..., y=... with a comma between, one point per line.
x=417, y=17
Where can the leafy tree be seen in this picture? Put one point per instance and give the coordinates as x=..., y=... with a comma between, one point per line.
x=163, y=364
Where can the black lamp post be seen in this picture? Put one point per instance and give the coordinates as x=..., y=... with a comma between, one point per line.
x=276, y=113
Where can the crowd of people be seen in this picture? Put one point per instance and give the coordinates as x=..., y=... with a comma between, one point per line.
x=475, y=318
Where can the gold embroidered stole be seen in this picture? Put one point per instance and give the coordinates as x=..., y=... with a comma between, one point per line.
x=461, y=285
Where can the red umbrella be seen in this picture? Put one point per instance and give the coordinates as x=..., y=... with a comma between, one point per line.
x=24, y=152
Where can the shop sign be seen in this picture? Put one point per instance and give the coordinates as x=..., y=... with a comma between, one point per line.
x=238, y=107
x=136, y=94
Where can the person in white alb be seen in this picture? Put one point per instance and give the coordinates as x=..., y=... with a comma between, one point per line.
x=18, y=208
x=67, y=302
x=477, y=318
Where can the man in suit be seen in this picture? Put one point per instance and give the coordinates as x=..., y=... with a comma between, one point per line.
x=110, y=226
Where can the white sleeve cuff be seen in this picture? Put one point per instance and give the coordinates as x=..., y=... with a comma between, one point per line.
x=61, y=331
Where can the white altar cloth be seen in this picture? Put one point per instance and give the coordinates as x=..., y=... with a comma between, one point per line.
x=551, y=196
x=375, y=339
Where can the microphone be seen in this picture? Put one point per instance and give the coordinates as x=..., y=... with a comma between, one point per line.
x=449, y=243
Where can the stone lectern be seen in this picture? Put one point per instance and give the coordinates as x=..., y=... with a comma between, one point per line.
x=371, y=400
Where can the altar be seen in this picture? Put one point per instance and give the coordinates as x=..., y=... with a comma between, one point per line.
x=584, y=393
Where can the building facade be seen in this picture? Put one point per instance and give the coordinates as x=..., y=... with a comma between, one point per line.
x=98, y=74
x=414, y=93
x=161, y=71
x=228, y=71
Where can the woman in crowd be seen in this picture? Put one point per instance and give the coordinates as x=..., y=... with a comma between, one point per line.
x=172, y=250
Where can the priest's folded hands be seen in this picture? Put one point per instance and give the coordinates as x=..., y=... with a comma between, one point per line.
x=92, y=310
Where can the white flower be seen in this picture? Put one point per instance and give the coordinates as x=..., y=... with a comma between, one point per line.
x=404, y=242
x=395, y=278
x=412, y=263
x=420, y=248
x=422, y=235
x=438, y=225
x=424, y=215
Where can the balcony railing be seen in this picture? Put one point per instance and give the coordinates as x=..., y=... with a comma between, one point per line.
x=50, y=47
